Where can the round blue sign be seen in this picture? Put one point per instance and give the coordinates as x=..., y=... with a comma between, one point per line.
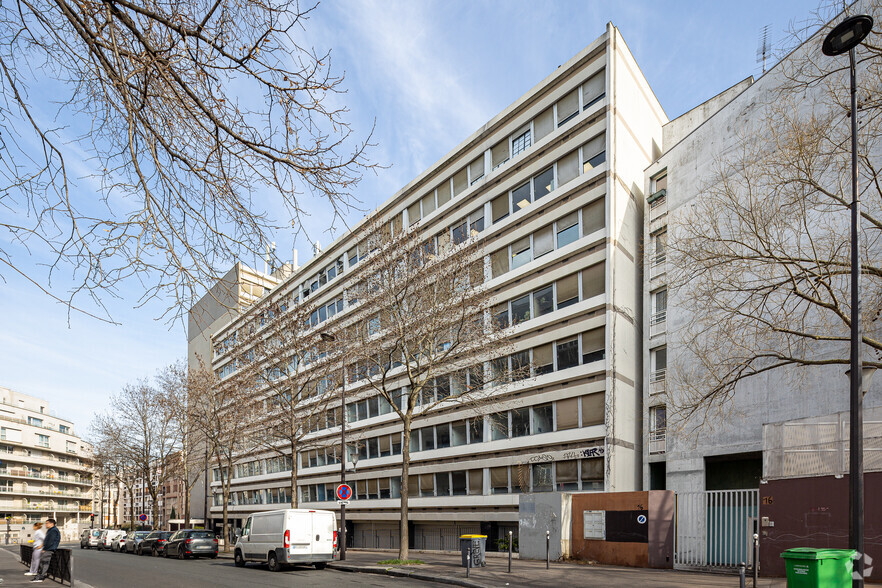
x=344, y=492
x=641, y=519
x=142, y=517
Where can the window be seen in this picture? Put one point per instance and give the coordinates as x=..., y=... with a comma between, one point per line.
x=499, y=480
x=543, y=359
x=593, y=91
x=567, y=107
x=459, y=483
x=43, y=441
x=520, y=310
x=498, y=426
x=499, y=206
x=592, y=473
x=476, y=430
x=500, y=316
x=567, y=414
x=593, y=280
x=520, y=142
x=460, y=232
x=476, y=170
x=520, y=253
x=594, y=153
x=543, y=420
x=568, y=168
x=543, y=183
x=543, y=301
x=593, y=345
x=442, y=484
x=593, y=409
x=499, y=263
x=544, y=123
x=661, y=183
x=567, y=475
x=8, y=434
x=499, y=154
x=658, y=419
x=35, y=422
x=660, y=241
x=458, y=434
x=567, y=354
x=567, y=229
x=427, y=485
x=476, y=482
x=520, y=197
x=542, y=480
x=413, y=214
x=427, y=435
x=476, y=222
x=443, y=435
x=459, y=184
x=428, y=204
x=567, y=291
x=543, y=241
x=593, y=218
x=520, y=365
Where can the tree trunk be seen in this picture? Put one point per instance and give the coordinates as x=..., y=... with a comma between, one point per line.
x=294, y=499
x=225, y=484
x=404, y=531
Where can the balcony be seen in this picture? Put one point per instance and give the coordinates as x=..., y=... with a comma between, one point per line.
x=657, y=322
x=657, y=381
x=656, y=442
x=656, y=265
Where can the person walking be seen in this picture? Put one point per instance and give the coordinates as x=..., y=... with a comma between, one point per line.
x=50, y=544
x=39, y=536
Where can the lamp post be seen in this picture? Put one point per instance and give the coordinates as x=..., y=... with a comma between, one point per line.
x=329, y=338
x=844, y=38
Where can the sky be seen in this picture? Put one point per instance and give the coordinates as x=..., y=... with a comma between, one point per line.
x=425, y=75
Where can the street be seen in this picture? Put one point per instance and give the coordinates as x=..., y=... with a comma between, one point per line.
x=105, y=569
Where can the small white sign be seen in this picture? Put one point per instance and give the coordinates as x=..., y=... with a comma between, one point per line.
x=641, y=519
x=343, y=502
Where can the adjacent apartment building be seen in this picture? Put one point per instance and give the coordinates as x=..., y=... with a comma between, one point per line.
x=45, y=468
x=553, y=187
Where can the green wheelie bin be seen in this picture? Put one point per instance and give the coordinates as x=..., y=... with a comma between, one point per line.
x=810, y=567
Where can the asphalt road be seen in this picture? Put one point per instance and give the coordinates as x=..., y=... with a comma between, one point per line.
x=105, y=569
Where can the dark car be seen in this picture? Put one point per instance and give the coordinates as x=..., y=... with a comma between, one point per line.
x=154, y=543
x=192, y=543
x=134, y=539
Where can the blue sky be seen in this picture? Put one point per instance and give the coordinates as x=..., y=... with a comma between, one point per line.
x=429, y=74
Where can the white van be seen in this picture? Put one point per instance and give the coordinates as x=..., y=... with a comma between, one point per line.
x=280, y=537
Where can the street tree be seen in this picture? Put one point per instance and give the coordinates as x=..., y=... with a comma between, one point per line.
x=760, y=261
x=422, y=336
x=173, y=116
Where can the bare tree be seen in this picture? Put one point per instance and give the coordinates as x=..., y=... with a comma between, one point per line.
x=112, y=464
x=760, y=262
x=176, y=113
x=422, y=337
x=286, y=358
x=181, y=387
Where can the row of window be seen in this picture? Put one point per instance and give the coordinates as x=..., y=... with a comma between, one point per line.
x=558, y=234
x=518, y=422
x=574, y=474
x=263, y=496
x=259, y=467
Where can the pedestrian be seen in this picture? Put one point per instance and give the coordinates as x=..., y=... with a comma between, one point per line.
x=50, y=544
x=39, y=536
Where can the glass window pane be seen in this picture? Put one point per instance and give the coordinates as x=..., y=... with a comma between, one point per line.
x=520, y=141
x=593, y=216
x=499, y=153
x=542, y=419
x=444, y=190
x=567, y=107
x=500, y=316
x=594, y=90
x=427, y=485
x=542, y=481
x=520, y=422
x=385, y=446
x=460, y=183
x=543, y=301
x=568, y=168
x=592, y=473
x=520, y=310
x=567, y=229
x=543, y=241
x=499, y=263
x=520, y=252
x=567, y=354
x=567, y=291
x=476, y=169
x=460, y=233
x=498, y=426
x=427, y=436
x=520, y=365
x=520, y=197
x=543, y=183
x=458, y=433
x=443, y=434
x=476, y=222
x=460, y=483
x=413, y=485
x=567, y=475
x=476, y=430
x=428, y=204
x=567, y=414
x=593, y=345
x=442, y=484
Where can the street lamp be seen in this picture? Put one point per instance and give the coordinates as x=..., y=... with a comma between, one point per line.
x=329, y=338
x=844, y=38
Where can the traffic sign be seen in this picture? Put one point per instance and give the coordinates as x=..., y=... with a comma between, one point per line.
x=344, y=492
x=142, y=517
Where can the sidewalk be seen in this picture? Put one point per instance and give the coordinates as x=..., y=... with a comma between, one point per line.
x=446, y=569
x=12, y=570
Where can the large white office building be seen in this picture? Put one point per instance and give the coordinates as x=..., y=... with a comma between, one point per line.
x=553, y=187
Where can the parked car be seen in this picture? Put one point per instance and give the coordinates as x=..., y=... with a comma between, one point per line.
x=118, y=544
x=154, y=543
x=280, y=537
x=134, y=540
x=89, y=538
x=108, y=537
x=188, y=543
x=100, y=544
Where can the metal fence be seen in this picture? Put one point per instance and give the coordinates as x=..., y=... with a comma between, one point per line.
x=818, y=446
x=60, y=566
x=714, y=529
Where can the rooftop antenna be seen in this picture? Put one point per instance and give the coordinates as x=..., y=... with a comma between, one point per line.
x=763, y=49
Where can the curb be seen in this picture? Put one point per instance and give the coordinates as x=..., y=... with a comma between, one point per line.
x=402, y=573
